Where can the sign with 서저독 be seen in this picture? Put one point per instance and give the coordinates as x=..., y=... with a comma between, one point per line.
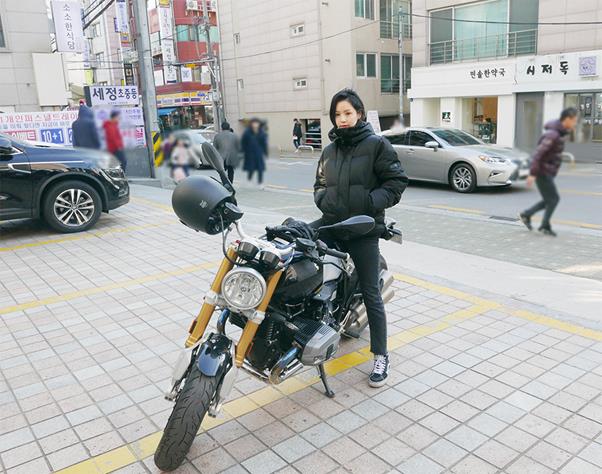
x=557, y=67
x=111, y=95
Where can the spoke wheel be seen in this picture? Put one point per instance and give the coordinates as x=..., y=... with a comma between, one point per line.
x=462, y=178
x=71, y=206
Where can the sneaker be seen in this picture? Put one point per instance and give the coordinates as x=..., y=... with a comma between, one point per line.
x=380, y=371
x=526, y=220
x=547, y=231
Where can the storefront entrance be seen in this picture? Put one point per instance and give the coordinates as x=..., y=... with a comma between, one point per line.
x=480, y=118
x=586, y=142
x=529, y=120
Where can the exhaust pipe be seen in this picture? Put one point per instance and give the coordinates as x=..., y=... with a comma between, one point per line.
x=360, y=321
x=286, y=366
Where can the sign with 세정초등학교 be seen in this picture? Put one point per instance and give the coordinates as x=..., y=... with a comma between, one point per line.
x=68, y=26
x=111, y=95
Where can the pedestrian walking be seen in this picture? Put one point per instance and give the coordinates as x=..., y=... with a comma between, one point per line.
x=359, y=174
x=114, y=139
x=255, y=147
x=181, y=160
x=297, y=134
x=228, y=145
x=85, y=133
x=544, y=168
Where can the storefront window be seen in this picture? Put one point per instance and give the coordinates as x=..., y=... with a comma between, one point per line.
x=491, y=38
x=480, y=118
x=589, y=125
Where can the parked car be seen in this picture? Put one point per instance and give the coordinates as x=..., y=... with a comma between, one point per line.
x=449, y=155
x=67, y=187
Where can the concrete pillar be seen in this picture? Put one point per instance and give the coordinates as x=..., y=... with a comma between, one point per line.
x=506, y=119
x=425, y=112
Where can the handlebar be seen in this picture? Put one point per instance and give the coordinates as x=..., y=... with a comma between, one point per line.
x=323, y=248
x=282, y=232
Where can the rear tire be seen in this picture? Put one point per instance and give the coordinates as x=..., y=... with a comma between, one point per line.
x=185, y=419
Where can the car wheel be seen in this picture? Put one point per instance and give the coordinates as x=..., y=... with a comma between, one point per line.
x=71, y=206
x=462, y=178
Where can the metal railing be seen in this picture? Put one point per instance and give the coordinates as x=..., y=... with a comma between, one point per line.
x=503, y=45
x=389, y=86
x=390, y=29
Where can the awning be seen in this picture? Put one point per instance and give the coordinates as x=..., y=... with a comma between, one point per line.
x=166, y=111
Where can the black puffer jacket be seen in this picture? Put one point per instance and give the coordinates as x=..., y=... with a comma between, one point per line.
x=358, y=173
x=548, y=154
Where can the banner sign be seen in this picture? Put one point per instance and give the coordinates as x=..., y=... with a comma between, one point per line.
x=128, y=73
x=121, y=19
x=181, y=99
x=169, y=57
x=55, y=127
x=186, y=74
x=372, y=119
x=68, y=26
x=111, y=95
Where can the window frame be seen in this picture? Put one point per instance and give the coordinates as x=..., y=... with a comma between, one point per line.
x=412, y=132
x=294, y=30
x=365, y=65
x=364, y=10
x=296, y=83
x=3, y=39
x=391, y=78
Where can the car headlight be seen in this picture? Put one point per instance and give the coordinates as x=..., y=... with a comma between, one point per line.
x=492, y=159
x=243, y=288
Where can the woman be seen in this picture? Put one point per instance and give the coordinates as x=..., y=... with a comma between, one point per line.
x=255, y=147
x=181, y=159
x=228, y=145
x=359, y=174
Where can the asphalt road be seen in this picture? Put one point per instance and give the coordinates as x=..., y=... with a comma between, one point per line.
x=580, y=188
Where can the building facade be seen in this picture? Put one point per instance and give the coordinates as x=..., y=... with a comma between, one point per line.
x=31, y=77
x=510, y=71
x=284, y=59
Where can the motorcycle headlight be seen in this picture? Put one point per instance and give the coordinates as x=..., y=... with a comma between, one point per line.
x=492, y=159
x=243, y=288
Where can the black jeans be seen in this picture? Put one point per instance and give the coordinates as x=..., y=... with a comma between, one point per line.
x=120, y=155
x=366, y=256
x=550, y=199
x=230, y=171
x=259, y=175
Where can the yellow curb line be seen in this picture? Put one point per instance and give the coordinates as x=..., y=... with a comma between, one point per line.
x=87, y=235
x=455, y=209
x=158, y=205
x=100, y=289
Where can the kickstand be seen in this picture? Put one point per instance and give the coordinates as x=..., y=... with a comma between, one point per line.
x=329, y=392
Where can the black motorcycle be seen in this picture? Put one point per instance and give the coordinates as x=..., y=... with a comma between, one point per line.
x=292, y=295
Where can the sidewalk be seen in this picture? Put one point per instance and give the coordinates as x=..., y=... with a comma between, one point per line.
x=483, y=380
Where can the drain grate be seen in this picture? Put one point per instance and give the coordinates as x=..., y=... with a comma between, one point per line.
x=504, y=218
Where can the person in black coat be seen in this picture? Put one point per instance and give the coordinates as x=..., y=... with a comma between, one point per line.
x=359, y=174
x=85, y=133
x=255, y=147
x=297, y=133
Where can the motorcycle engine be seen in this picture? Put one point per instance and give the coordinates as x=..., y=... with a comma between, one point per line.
x=318, y=340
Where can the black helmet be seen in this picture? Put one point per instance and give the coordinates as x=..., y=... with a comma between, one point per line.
x=199, y=201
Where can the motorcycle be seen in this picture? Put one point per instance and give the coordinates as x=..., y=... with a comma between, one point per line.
x=293, y=296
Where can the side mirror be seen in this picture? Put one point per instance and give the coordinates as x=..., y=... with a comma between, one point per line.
x=432, y=144
x=6, y=146
x=355, y=226
x=217, y=163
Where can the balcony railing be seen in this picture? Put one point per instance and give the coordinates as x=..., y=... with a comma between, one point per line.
x=389, y=86
x=390, y=29
x=515, y=43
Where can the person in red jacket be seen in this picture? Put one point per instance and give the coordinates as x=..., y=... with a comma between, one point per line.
x=544, y=168
x=114, y=139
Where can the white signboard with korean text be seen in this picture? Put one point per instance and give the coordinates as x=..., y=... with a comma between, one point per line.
x=121, y=19
x=186, y=74
x=159, y=81
x=68, y=26
x=55, y=127
x=112, y=95
x=169, y=58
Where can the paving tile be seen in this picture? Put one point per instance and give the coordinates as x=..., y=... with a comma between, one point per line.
x=535, y=425
x=593, y=454
x=15, y=438
x=67, y=456
x=271, y=434
x=420, y=464
x=264, y=463
x=103, y=443
x=548, y=455
x=473, y=465
x=321, y=434
x=439, y=423
x=245, y=447
x=566, y=440
x=466, y=438
x=459, y=411
x=579, y=466
x=496, y=453
x=293, y=449
x=37, y=466
x=368, y=436
x=215, y=461
x=343, y=450
x=526, y=465
x=315, y=463
x=367, y=463
x=393, y=451
x=523, y=400
x=58, y=441
x=444, y=453
x=346, y=421
x=487, y=425
x=417, y=437
x=415, y=410
x=20, y=455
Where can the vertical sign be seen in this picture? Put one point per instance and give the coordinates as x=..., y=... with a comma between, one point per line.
x=122, y=16
x=128, y=72
x=169, y=55
x=186, y=74
x=68, y=26
x=372, y=119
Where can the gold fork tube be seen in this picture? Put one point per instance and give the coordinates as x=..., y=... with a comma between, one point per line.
x=197, y=329
x=248, y=333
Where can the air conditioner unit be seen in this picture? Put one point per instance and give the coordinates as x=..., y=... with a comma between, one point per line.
x=192, y=5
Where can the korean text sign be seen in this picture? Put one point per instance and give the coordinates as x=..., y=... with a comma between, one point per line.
x=111, y=95
x=68, y=26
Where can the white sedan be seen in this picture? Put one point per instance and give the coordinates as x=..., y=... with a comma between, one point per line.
x=449, y=155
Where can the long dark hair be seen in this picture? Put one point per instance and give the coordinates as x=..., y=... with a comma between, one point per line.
x=350, y=96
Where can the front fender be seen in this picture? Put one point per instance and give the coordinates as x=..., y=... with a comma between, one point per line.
x=215, y=355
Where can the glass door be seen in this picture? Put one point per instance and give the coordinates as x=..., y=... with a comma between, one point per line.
x=597, y=118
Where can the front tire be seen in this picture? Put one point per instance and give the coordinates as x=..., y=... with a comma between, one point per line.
x=71, y=206
x=462, y=178
x=185, y=419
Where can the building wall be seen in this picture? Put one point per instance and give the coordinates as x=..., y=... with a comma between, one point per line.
x=26, y=31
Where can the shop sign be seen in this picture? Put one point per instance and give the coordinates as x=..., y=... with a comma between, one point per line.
x=169, y=57
x=164, y=3
x=186, y=74
x=128, y=72
x=131, y=124
x=111, y=95
x=50, y=127
x=121, y=18
x=588, y=66
x=165, y=23
x=181, y=99
x=68, y=26
x=159, y=81
x=446, y=117
x=488, y=73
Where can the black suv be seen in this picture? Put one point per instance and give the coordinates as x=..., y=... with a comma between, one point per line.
x=67, y=187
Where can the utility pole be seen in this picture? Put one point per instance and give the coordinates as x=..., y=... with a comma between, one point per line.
x=215, y=93
x=147, y=80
